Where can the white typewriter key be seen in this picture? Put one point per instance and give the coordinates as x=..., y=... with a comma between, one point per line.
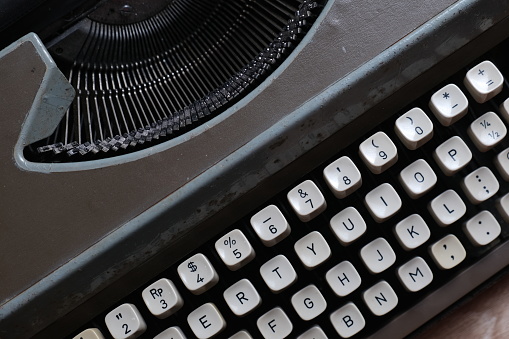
x=417, y=178
x=378, y=152
x=171, y=333
x=162, y=298
x=343, y=278
x=309, y=303
x=504, y=109
x=412, y=232
x=278, y=273
x=448, y=252
x=502, y=163
x=378, y=255
x=234, y=249
x=270, y=225
x=452, y=155
x=480, y=185
x=342, y=177
x=313, y=333
x=198, y=274
x=482, y=229
x=380, y=298
x=487, y=131
x=275, y=324
x=348, y=225
x=414, y=128
x=415, y=274
x=206, y=321
x=503, y=207
x=242, y=297
x=484, y=81
x=312, y=249
x=449, y=104
x=241, y=335
x=347, y=320
x=306, y=200
x=447, y=208
x=125, y=322
x=90, y=333
x=383, y=202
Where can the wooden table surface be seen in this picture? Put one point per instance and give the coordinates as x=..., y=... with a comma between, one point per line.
x=485, y=316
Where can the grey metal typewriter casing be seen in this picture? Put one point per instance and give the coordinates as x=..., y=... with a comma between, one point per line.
x=73, y=237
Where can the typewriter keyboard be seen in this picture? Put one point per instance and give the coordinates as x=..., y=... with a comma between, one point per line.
x=354, y=243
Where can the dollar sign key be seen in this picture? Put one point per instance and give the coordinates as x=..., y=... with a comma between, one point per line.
x=192, y=266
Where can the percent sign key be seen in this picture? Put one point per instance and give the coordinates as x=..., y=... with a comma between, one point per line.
x=234, y=249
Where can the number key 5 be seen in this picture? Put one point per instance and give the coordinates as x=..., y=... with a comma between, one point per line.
x=234, y=249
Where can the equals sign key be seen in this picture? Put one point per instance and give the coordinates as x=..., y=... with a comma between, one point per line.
x=484, y=86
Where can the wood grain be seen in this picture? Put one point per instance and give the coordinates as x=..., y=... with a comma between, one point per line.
x=485, y=316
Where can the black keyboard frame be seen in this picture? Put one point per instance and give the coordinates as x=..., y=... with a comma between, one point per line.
x=350, y=252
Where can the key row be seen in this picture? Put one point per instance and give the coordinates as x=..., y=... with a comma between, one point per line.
x=379, y=152
x=348, y=225
x=343, y=178
x=418, y=178
x=384, y=201
x=242, y=297
x=162, y=298
x=206, y=321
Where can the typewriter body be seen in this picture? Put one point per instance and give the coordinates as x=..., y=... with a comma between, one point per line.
x=77, y=237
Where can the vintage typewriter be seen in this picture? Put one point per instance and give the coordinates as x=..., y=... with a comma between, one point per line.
x=249, y=169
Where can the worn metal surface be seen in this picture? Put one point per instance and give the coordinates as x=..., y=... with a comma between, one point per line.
x=68, y=234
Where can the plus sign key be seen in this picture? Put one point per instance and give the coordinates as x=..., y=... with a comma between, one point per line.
x=449, y=104
x=484, y=81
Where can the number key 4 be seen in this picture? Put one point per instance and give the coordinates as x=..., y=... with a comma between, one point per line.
x=198, y=274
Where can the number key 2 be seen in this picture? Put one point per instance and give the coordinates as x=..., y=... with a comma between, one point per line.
x=125, y=322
